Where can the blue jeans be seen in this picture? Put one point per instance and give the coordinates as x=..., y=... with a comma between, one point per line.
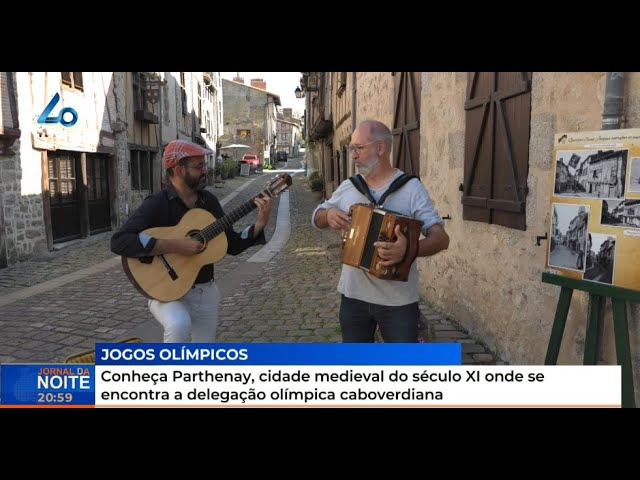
x=359, y=320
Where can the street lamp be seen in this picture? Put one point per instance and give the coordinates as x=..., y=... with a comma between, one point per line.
x=308, y=83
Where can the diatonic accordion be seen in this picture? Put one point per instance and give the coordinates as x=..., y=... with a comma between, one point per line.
x=372, y=223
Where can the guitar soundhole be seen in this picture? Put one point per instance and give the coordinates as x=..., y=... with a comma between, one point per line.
x=196, y=235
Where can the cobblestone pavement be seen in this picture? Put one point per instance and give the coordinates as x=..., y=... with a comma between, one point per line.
x=291, y=298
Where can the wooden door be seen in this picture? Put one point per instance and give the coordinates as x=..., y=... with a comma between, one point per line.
x=63, y=192
x=98, y=193
x=345, y=161
x=406, y=122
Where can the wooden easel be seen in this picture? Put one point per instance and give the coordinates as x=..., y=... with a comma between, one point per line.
x=598, y=293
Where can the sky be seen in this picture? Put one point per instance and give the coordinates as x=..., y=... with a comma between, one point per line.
x=598, y=239
x=282, y=84
x=566, y=213
x=565, y=156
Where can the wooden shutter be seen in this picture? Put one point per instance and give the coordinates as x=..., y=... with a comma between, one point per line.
x=406, y=122
x=496, y=157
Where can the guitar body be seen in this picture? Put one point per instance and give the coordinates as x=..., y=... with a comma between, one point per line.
x=156, y=280
x=168, y=277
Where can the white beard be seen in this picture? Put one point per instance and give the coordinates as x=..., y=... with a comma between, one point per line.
x=365, y=170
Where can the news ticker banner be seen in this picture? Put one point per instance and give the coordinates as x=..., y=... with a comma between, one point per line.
x=318, y=375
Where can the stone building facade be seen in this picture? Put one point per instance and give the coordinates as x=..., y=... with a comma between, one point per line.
x=489, y=279
x=288, y=130
x=9, y=164
x=86, y=169
x=603, y=174
x=56, y=187
x=250, y=117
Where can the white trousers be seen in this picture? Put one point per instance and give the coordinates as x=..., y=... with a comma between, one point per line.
x=192, y=318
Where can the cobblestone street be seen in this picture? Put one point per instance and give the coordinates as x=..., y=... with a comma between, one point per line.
x=77, y=295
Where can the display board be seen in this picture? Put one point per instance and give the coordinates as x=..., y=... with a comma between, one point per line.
x=594, y=214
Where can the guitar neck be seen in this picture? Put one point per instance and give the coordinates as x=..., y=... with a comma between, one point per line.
x=216, y=228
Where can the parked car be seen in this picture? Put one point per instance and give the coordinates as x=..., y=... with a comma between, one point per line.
x=282, y=156
x=254, y=162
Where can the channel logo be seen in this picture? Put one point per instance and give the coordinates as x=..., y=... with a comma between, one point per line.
x=46, y=118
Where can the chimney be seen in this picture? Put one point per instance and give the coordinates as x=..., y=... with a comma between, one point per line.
x=287, y=112
x=239, y=80
x=259, y=83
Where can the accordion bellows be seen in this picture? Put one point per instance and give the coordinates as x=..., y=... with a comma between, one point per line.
x=371, y=223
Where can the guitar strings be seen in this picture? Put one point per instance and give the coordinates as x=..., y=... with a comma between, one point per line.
x=219, y=226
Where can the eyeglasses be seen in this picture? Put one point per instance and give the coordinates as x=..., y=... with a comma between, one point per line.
x=359, y=148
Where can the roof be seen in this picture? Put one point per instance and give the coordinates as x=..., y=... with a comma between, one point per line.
x=276, y=97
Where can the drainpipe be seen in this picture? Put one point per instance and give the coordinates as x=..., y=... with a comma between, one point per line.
x=612, y=115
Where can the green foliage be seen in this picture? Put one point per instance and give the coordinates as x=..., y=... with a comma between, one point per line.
x=314, y=176
x=317, y=184
x=268, y=166
x=229, y=169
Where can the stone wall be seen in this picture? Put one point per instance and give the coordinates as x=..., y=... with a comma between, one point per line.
x=24, y=228
x=122, y=182
x=375, y=92
x=244, y=109
x=489, y=280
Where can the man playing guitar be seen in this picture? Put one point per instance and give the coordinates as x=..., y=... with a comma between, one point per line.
x=193, y=316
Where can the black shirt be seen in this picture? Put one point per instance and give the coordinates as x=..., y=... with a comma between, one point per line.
x=165, y=209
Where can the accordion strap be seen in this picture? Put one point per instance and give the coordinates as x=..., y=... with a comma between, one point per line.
x=363, y=188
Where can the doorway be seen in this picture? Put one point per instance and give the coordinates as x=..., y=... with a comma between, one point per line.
x=63, y=194
x=98, y=193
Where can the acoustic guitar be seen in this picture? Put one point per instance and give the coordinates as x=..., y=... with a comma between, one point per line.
x=169, y=276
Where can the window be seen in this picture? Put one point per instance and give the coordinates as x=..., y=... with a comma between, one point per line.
x=199, y=103
x=140, y=92
x=183, y=95
x=73, y=80
x=496, y=156
x=143, y=109
x=342, y=82
x=142, y=170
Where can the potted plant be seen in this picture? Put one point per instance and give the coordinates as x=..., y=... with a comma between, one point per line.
x=316, y=184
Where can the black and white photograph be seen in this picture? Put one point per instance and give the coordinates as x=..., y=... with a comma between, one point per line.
x=601, y=254
x=634, y=181
x=568, y=239
x=591, y=173
x=621, y=213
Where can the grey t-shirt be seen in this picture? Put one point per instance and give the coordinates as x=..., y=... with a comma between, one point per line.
x=412, y=200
